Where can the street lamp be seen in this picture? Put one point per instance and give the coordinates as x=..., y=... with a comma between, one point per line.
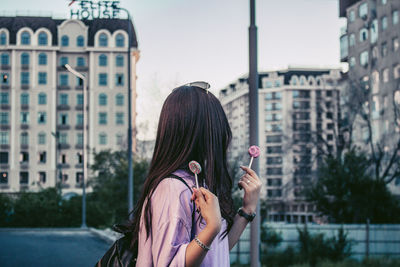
x=81, y=76
x=130, y=174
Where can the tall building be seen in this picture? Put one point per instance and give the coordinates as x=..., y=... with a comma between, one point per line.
x=41, y=103
x=297, y=123
x=370, y=44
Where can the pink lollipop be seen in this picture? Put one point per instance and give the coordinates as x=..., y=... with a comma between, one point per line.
x=254, y=152
x=195, y=167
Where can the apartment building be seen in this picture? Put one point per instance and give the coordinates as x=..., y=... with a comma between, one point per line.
x=41, y=102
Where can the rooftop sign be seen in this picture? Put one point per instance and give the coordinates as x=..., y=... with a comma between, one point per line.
x=86, y=9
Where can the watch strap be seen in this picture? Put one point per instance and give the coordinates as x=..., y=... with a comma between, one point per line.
x=247, y=216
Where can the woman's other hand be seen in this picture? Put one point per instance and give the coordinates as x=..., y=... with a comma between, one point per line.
x=208, y=205
x=251, y=184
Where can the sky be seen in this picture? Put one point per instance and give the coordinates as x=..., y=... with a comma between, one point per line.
x=190, y=40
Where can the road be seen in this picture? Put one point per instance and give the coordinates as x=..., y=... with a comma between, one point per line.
x=50, y=247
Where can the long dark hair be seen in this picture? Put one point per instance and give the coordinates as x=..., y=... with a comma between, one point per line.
x=192, y=126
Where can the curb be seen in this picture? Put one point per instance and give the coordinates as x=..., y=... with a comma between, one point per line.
x=107, y=235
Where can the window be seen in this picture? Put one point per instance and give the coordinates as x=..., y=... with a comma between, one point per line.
x=42, y=117
x=103, y=40
x=352, y=16
x=24, y=99
x=42, y=59
x=375, y=81
x=25, y=38
x=274, y=171
x=42, y=157
x=42, y=38
x=395, y=44
x=384, y=49
x=80, y=61
x=63, y=99
x=374, y=31
x=64, y=40
x=4, y=138
x=119, y=79
x=24, y=177
x=363, y=35
x=274, y=149
x=102, y=118
x=64, y=141
x=42, y=99
x=352, y=40
x=79, y=99
x=375, y=52
x=5, y=78
x=24, y=59
x=80, y=41
x=79, y=119
x=102, y=99
x=120, y=40
x=119, y=100
x=42, y=177
x=102, y=79
x=352, y=62
x=119, y=118
x=24, y=117
x=3, y=177
x=364, y=58
x=79, y=138
x=79, y=81
x=42, y=77
x=64, y=79
x=384, y=23
x=396, y=71
x=24, y=78
x=63, y=61
x=102, y=60
x=3, y=38
x=363, y=10
x=102, y=139
x=24, y=138
x=41, y=138
x=119, y=61
x=385, y=75
x=274, y=160
x=120, y=139
x=63, y=119
x=383, y=2
x=79, y=177
x=274, y=139
x=5, y=59
x=4, y=98
x=4, y=118
x=395, y=17
x=3, y=157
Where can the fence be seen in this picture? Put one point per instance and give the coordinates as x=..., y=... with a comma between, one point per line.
x=367, y=240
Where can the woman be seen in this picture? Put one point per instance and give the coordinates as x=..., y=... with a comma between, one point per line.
x=192, y=126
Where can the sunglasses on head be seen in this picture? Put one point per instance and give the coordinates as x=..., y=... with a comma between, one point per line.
x=201, y=85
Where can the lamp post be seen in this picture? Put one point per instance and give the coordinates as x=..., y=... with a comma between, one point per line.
x=253, y=119
x=81, y=76
x=130, y=174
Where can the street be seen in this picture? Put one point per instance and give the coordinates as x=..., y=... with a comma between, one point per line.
x=50, y=247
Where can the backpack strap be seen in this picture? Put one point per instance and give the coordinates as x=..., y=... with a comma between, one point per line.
x=192, y=235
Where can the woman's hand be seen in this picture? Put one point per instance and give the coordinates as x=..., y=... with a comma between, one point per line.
x=252, y=186
x=208, y=205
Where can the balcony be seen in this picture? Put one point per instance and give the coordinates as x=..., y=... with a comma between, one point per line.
x=24, y=126
x=63, y=127
x=23, y=187
x=79, y=166
x=63, y=107
x=81, y=68
x=24, y=107
x=4, y=186
x=79, y=87
x=63, y=166
x=24, y=146
x=79, y=107
x=64, y=146
x=65, y=185
x=24, y=86
x=79, y=127
x=4, y=147
x=25, y=67
x=5, y=67
x=24, y=165
x=4, y=166
x=4, y=106
x=63, y=87
x=5, y=86
x=4, y=127
x=61, y=68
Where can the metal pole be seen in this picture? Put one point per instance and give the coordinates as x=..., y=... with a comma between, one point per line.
x=85, y=159
x=253, y=118
x=85, y=120
x=130, y=173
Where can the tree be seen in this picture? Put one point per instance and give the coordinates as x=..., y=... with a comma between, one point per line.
x=346, y=192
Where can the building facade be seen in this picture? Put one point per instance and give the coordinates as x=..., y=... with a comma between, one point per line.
x=41, y=102
x=370, y=44
x=297, y=123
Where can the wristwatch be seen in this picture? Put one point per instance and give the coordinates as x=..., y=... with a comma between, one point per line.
x=245, y=215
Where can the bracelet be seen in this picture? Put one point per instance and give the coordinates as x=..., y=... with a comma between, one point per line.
x=201, y=244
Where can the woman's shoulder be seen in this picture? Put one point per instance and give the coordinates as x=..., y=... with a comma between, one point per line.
x=171, y=187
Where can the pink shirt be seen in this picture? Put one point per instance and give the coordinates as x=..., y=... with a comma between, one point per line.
x=171, y=228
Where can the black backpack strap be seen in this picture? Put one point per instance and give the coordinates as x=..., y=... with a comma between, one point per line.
x=194, y=207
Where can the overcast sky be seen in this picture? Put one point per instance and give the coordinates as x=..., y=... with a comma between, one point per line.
x=189, y=40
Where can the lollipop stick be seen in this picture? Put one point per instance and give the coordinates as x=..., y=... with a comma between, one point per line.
x=197, y=181
x=251, y=162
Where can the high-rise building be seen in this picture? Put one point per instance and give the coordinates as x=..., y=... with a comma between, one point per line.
x=297, y=124
x=370, y=43
x=41, y=102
